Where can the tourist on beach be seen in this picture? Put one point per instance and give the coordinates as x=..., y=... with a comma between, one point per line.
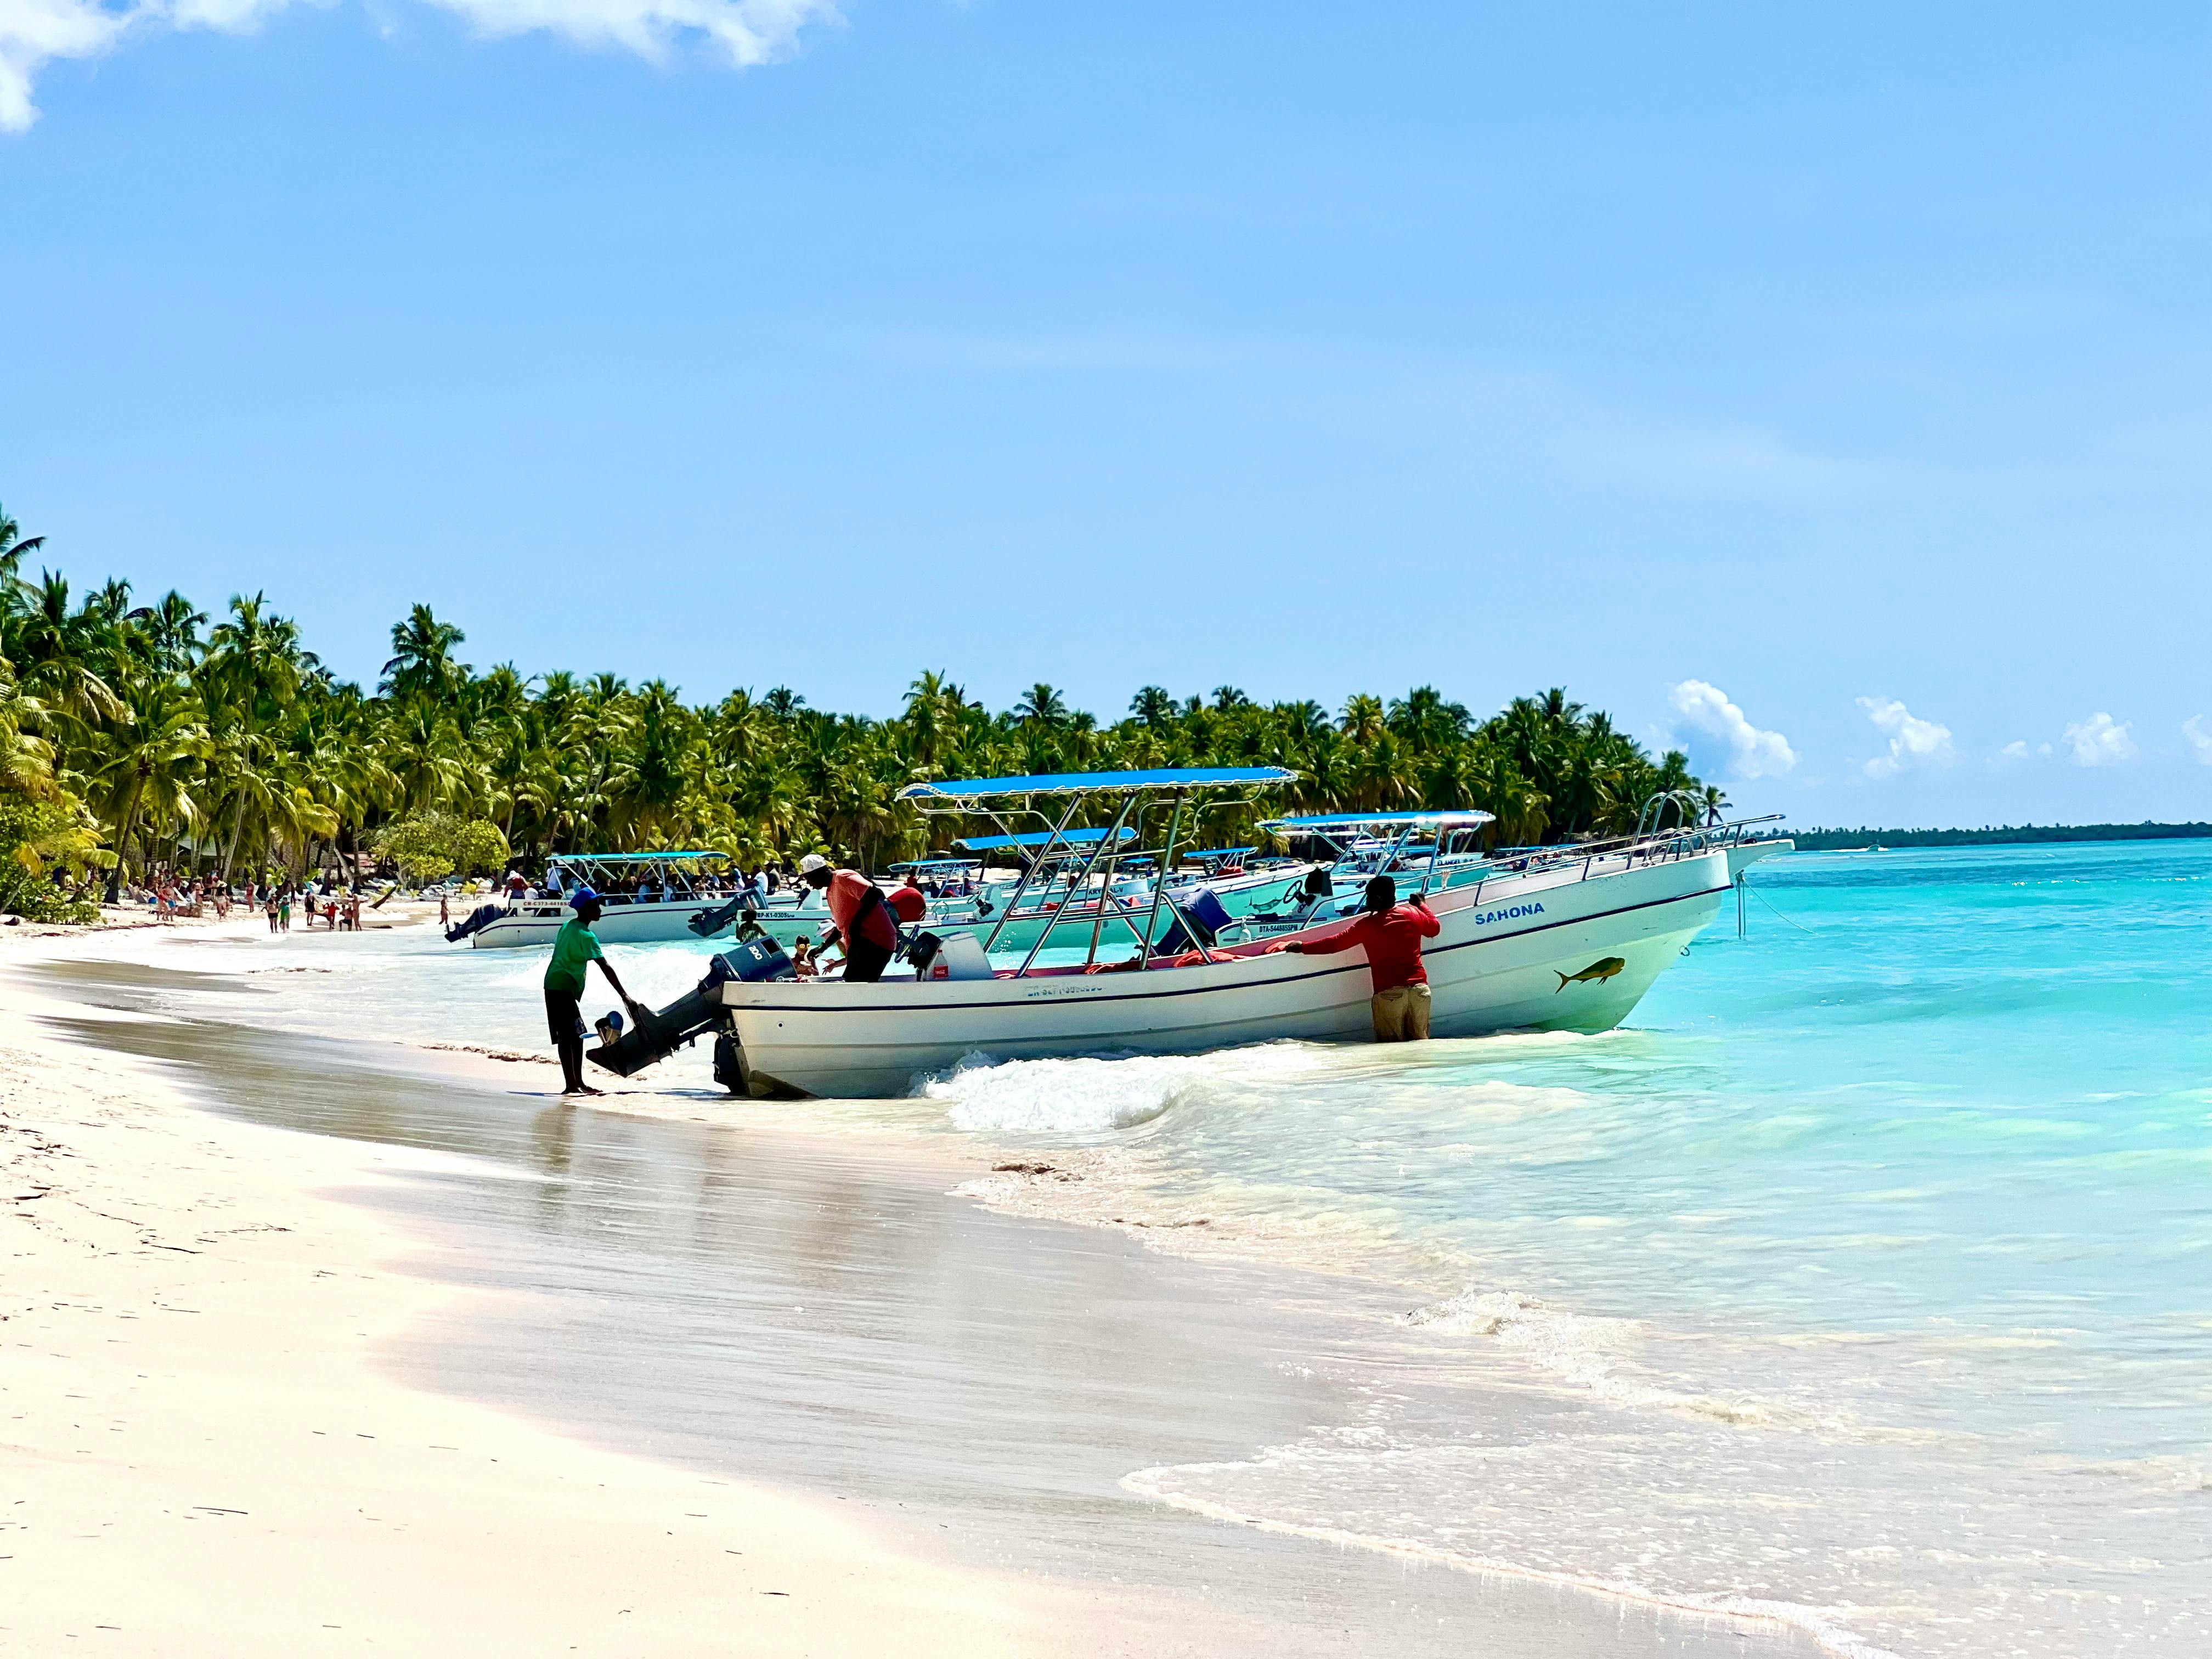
x=270, y=906
x=573, y=947
x=859, y=918
x=1392, y=933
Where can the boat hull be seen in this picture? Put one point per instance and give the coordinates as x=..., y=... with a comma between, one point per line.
x=536, y=922
x=1511, y=956
x=1745, y=853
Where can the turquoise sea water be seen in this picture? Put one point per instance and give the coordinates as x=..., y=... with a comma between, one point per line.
x=1864, y=1279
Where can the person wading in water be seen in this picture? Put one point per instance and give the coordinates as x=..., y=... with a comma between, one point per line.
x=858, y=916
x=1392, y=933
x=574, y=947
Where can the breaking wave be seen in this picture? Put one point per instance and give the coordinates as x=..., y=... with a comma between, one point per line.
x=1101, y=1092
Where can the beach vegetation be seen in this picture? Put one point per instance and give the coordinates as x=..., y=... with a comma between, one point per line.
x=48, y=849
x=432, y=844
x=223, y=746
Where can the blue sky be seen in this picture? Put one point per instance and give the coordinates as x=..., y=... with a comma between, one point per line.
x=1826, y=390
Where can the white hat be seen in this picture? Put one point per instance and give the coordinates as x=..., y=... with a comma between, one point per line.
x=812, y=862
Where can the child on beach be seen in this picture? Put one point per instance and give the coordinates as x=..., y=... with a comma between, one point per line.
x=802, y=959
x=285, y=912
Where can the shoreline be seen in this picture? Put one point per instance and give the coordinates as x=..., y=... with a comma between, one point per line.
x=194, y=1306
x=1012, y=1609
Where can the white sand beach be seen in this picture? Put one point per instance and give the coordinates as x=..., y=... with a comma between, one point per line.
x=249, y=1410
x=199, y=1458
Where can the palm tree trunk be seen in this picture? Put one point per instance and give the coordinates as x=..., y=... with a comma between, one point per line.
x=130, y=821
x=237, y=829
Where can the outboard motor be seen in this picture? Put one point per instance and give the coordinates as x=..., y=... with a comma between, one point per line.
x=476, y=918
x=698, y=1011
x=1197, y=911
x=708, y=923
x=921, y=949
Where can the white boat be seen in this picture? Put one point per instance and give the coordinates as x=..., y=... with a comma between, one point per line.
x=672, y=880
x=1570, y=943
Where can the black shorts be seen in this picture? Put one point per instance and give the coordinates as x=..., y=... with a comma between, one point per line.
x=564, y=1017
x=865, y=961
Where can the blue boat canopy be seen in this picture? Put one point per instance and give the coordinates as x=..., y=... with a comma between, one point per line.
x=1218, y=853
x=932, y=864
x=630, y=858
x=1083, y=783
x=1468, y=819
x=1037, y=838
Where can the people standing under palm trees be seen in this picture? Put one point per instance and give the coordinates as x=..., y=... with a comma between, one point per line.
x=859, y=918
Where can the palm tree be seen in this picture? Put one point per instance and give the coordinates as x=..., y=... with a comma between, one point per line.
x=150, y=760
x=14, y=544
x=63, y=658
x=1425, y=719
x=1041, y=705
x=1363, y=721
x=422, y=661
x=1153, y=706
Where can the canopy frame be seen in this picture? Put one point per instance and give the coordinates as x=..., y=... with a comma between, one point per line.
x=995, y=799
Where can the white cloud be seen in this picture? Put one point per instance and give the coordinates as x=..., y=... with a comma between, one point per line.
x=36, y=32
x=746, y=32
x=1912, y=741
x=33, y=32
x=2200, y=738
x=2013, y=753
x=2100, y=740
x=1751, y=753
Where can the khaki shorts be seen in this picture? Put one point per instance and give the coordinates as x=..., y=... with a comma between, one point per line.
x=1402, y=1014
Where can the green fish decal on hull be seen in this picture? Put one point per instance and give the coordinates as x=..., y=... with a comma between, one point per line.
x=1603, y=968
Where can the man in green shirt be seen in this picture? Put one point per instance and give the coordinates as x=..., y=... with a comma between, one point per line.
x=573, y=947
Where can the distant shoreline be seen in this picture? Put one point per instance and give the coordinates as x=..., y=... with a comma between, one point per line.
x=1830, y=841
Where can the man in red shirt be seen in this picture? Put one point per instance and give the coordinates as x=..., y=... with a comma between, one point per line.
x=908, y=902
x=858, y=917
x=1392, y=933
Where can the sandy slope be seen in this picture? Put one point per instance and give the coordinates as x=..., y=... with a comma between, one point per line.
x=197, y=1457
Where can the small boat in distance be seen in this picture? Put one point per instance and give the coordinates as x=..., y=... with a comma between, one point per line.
x=650, y=898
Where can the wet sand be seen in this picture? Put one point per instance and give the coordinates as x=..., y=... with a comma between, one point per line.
x=729, y=1301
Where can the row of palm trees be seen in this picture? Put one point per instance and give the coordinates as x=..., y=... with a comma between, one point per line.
x=226, y=745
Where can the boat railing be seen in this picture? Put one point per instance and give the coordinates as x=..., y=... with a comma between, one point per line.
x=1614, y=855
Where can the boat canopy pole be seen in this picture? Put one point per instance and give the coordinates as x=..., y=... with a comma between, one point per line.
x=1107, y=843
x=1074, y=806
x=1160, y=882
x=1106, y=886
